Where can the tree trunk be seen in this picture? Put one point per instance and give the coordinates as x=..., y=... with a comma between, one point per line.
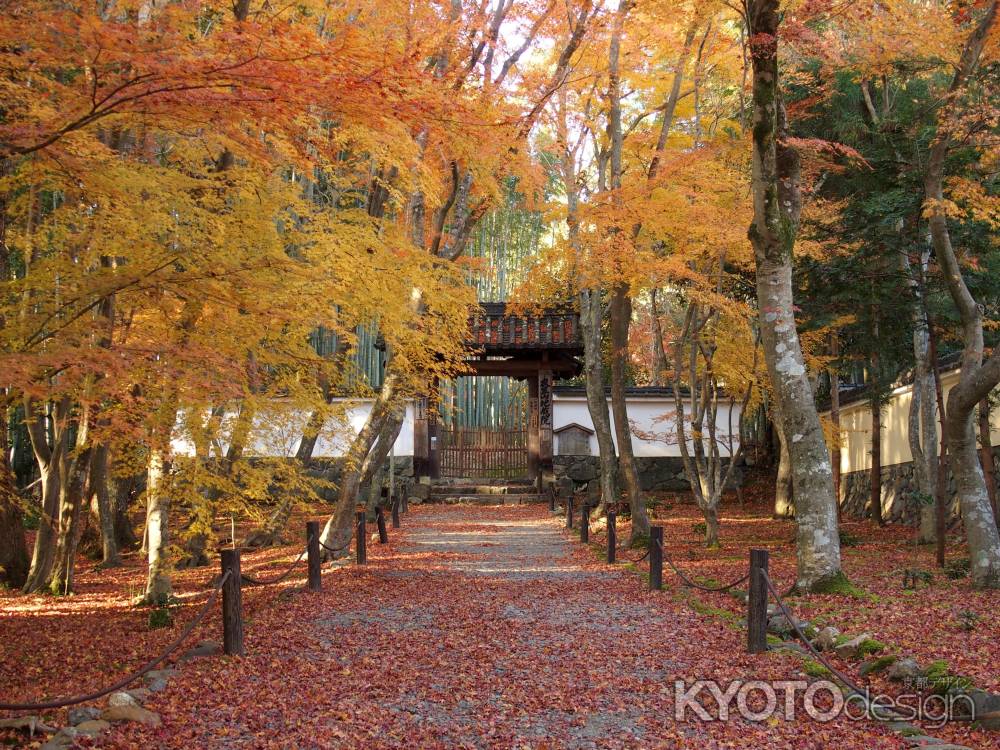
x=923, y=446
x=922, y=427
x=977, y=378
x=159, y=588
x=777, y=205
x=986, y=455
x=71, y=504
x=387, y=436
x=702, y=460
x=621, y=304
x=875, y=499
x=126, y=491
x=49, y=460
x=105, y=510
x=711, y=514
x=835, y=418
x=784, y=492
x=658, y=376
x=621, y=312
x=339, y=528
x=597, y=400
x=941, y=485
x=14, y=560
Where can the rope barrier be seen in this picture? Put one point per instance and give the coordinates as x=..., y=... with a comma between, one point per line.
x=270, y=581
x=692, y=584
x=847, y=681
x=637, y=559
x=147, y=667
x=330, y=549
x=357, y=526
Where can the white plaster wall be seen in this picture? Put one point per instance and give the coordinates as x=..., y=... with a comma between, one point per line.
x=649, y=416
x=856, y=428
x=278, y=430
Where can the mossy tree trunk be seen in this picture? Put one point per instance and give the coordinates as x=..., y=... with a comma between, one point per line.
x=777, y=205
x=978, y=376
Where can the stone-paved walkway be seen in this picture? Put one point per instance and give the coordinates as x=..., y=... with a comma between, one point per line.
x=479, y=627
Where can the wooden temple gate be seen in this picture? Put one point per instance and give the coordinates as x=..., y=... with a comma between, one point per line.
x=534, y=348
x=484, y=452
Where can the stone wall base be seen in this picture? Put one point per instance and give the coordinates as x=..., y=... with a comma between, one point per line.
x=899, y=487
x=656, y=473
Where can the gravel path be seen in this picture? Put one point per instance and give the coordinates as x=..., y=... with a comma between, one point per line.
x=482, y=627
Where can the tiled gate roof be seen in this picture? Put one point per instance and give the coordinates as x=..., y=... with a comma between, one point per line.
x=493, y=328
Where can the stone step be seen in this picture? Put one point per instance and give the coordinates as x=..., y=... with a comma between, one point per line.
x=479, y=489
x=521, y=498
x=481, y=482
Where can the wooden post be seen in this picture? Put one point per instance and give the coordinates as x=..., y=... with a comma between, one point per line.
x=534, y=471
x=585, y=523
x=569, y=511
x=383, y=535
x=406, y=499
x=552, y=498
x=757, y=603
x=232, y=604
x=545, y=452
x=362, y=540
x=395, y=513
x=612, y=536
x=655, y=558
x=421, y=440
x=312, y=555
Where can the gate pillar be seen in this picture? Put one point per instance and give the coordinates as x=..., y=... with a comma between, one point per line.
x=422, y=465
x=534, y=466
x=545, y=452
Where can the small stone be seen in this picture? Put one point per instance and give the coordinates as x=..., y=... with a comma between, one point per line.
x=81, y=714
x=781, y=625
x=851, y=648
x=985, y=707
x=141, y=695
x=131, y=713
x=905, y=669
x=203, y=648
x=156, y=685
x=160, y=674
x=904, y=728
x=121, y=698
x=65, y=737
x=793, y=647
x=874, y=665
x=826, y=639
x=923, y=740
x=989, y=720
x=93, y=727
x=30, y=723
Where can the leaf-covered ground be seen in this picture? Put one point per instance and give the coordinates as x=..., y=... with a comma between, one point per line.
x=941, y=619
x=474, y=627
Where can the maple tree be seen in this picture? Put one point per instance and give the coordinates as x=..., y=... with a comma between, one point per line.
x=226, y=227
x=195, y=196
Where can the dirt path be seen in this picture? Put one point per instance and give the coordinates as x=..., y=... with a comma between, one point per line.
x=480, y=628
